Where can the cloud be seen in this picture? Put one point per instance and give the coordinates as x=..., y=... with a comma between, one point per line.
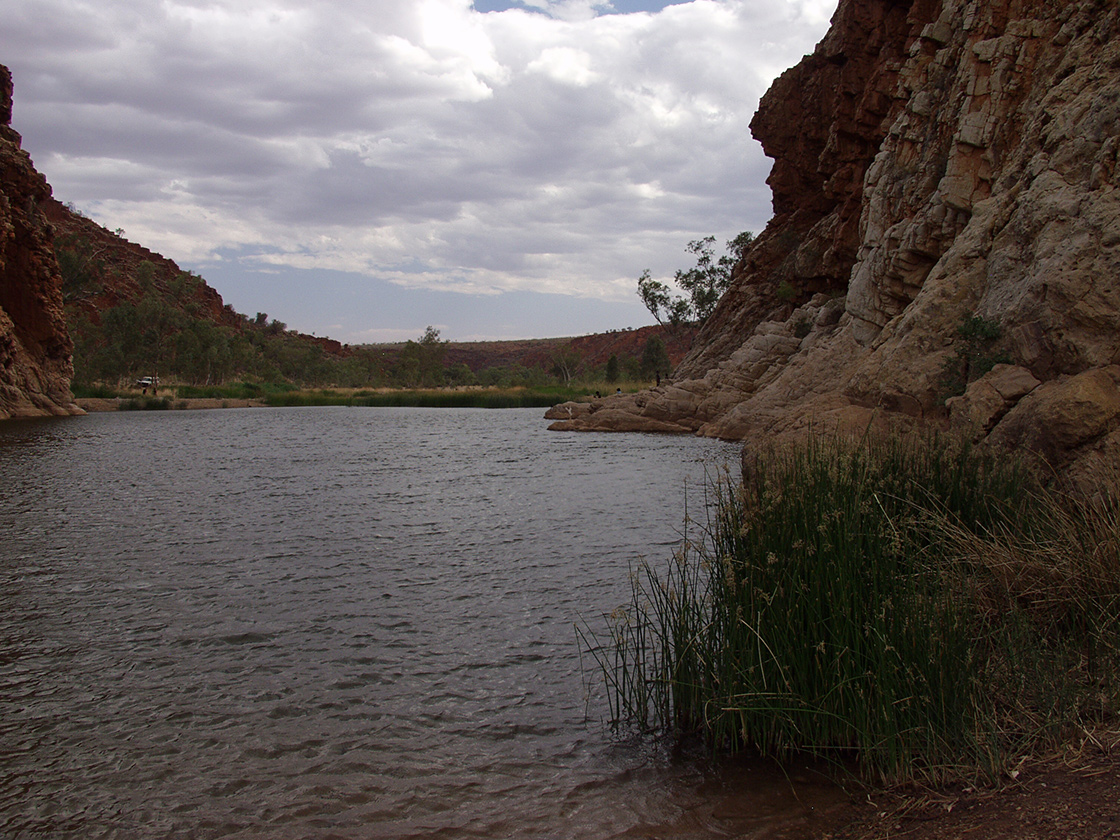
x=553, y=148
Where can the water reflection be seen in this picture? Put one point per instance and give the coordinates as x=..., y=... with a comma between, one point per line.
x=337, y=623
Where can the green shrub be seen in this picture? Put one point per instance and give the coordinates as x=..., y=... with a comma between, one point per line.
x=976, y=354
x=234, y=391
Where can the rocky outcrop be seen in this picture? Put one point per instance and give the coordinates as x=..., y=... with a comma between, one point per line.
x=35, y=348
x=944, y=199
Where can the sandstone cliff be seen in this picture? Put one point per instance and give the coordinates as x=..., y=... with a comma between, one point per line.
x=944, y=188
x=35, y=348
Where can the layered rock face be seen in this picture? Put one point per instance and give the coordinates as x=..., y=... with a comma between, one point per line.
x=944, y=199
x=35, y=349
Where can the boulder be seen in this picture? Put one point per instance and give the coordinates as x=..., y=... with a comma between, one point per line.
x=1062, y=416
x=989, y=398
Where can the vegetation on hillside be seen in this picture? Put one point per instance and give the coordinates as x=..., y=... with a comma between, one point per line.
x=916, y=604
x=133, y=318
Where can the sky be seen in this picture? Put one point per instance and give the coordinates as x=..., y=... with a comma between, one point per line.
x=362, y=169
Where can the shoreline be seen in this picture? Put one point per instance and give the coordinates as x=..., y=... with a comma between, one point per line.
x=1059, y=798
x=99, y=404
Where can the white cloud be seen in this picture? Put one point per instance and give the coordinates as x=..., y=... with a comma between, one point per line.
x=420, y=142
x=569, y=10
x=564, y=64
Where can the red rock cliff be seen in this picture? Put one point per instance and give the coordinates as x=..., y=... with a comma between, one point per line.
x=945, y=197
x=35, y=348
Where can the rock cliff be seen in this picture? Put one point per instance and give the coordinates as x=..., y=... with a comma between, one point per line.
x=35, y=348
x=945, y=245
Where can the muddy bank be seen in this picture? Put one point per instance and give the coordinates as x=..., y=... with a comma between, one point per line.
x=1061, y=799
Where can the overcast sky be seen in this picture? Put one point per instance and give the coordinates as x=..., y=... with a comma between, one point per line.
x=364, y=168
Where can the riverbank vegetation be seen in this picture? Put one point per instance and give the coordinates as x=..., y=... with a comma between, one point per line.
x=165, y=330
x=133, y=314
x=286, y=395
x=432, y=398
x=927, y=609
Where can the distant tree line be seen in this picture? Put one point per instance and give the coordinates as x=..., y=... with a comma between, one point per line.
x=165, y=332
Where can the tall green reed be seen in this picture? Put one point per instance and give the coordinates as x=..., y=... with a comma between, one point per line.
x=826, y=610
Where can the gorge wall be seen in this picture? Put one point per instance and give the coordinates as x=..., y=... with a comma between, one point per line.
x=945, y=245
x=35, y=348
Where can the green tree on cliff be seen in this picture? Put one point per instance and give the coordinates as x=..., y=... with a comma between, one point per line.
x=703, y=284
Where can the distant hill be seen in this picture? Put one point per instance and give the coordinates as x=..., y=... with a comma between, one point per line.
x=595, y=349
x=103, y=271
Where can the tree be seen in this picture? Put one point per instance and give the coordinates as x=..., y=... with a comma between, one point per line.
x=120, y=326
x=203, y=353
x=460, y=374
x=655, y=296
x=159, y=323
x=80, y=265
x=145, y=276
x=566, y=363
x=655, y=358
x=421, y=362
x=613, y=371
x=704, y=283
x=432, y=351
x=737, y=247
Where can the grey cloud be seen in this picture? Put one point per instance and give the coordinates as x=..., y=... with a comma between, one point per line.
x=519, y=148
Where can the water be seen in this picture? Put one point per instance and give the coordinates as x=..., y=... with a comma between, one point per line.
x=339, y=623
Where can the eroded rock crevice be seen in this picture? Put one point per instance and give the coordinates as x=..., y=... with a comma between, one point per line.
x=36, y=354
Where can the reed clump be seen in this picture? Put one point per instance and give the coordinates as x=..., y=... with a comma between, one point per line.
x=926, y=608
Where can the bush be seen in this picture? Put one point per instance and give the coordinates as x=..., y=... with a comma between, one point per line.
x=976, y=354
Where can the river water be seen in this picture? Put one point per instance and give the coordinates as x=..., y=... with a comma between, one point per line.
x=341, y=623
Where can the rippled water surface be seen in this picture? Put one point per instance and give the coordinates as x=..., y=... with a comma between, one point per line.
x=343, y=623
